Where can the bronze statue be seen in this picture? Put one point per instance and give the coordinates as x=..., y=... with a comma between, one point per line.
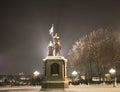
x=57, y=45
x=54, y=45
x=50, y=48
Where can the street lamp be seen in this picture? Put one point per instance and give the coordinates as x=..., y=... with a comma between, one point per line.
x=36, y=73
x=112, y=72
x=74, y=80
x=74, y=73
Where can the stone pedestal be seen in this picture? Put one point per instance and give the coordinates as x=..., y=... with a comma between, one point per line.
x=55, y=73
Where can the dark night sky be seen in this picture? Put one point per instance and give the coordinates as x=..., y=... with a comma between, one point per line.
x=25, y=24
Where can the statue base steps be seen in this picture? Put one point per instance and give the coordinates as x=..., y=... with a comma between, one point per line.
x=54, y=85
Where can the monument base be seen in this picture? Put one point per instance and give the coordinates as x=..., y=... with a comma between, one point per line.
x=55, y=73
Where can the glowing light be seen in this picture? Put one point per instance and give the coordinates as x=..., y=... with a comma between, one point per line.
x=74, y=73
x=36, y=73
x=112, y=71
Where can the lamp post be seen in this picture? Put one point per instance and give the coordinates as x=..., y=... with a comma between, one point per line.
x=36, y=79
x=74, y=74
x=112, y=72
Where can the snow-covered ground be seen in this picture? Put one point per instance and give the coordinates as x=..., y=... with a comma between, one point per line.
x=79, y=88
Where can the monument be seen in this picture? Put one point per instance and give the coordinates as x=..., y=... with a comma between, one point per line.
x=54, y=65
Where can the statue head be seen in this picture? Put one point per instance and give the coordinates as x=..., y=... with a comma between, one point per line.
x=50, y=44
x=56, y=38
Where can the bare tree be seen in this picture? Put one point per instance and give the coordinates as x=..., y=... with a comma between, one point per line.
x=96, y=52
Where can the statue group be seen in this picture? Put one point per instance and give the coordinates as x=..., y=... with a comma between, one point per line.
x=54, y=46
